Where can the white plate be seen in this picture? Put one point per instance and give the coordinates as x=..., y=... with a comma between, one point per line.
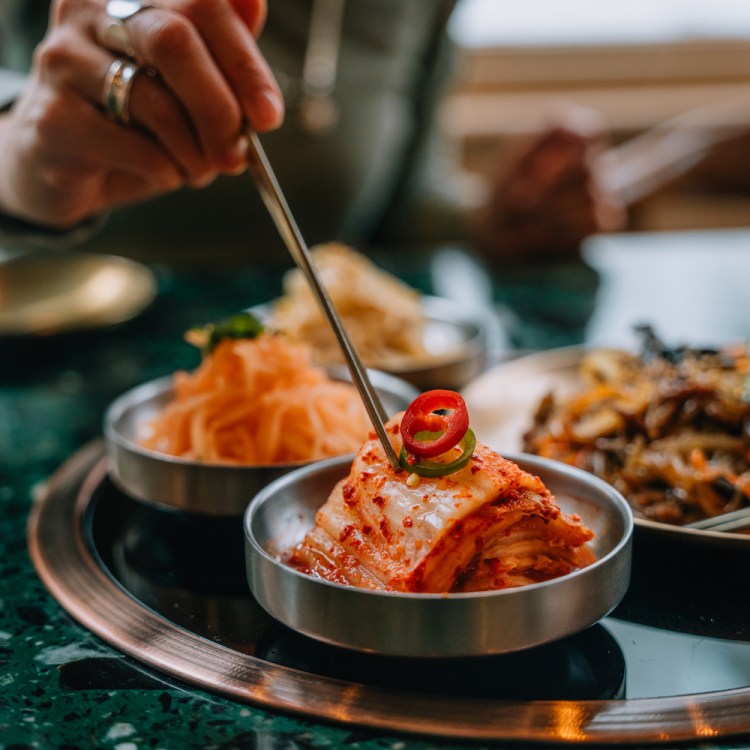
x=503, y=400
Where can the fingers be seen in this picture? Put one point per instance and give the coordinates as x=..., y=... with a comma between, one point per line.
x=210, y=71
x=201, y=79
x=72, y=132
x=238, y=57
x=253, y=14
x=155, y=109
x=210, y=62
x=122, y=187
x=82, y=68
x=168, y=43
x=61, y=153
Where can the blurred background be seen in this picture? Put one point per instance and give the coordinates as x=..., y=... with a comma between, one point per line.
x=637, y=64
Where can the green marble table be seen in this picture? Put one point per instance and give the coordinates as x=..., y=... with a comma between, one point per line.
x=60, y=687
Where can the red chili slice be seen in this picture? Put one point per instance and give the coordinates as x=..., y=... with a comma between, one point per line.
x=421, y=417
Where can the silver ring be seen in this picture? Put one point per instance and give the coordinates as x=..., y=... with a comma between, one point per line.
x=115, y=35
x=117, y=85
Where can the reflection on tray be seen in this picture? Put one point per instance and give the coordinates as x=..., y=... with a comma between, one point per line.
x=586, y=666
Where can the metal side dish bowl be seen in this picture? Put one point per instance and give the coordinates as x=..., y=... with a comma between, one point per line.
x=457, y=341
x=436, y=625
x=197, y=486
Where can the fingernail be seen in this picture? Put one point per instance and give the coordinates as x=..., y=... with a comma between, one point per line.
x=203, y=180
x=241, y=149
x=236, y=159
x=238, y=170
x=268, y=110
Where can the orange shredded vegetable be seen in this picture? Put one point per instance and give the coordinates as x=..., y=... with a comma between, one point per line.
x=259, y=401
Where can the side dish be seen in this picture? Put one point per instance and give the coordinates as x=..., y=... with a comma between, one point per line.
x=458, y=518
x=382, y=315
x=256, y=399
x=668, y=427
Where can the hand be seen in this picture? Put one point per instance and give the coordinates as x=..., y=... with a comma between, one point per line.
x=200, y=78
x=548, y=197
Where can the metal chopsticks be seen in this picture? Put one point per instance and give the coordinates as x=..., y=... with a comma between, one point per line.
x=735, y=520
x=273, y=197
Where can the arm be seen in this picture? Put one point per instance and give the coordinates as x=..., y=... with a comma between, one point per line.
x=565, y=184
x=548, y=194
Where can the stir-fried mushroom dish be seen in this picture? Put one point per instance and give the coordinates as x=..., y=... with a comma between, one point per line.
x=667, y=427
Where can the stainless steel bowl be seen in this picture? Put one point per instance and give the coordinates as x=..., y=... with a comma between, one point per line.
x=436, y=625
x=198, y=486
x=457, y=339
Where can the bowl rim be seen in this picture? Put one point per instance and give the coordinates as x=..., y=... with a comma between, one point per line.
x=159, y=387
x=433, y=307
x=263, y=497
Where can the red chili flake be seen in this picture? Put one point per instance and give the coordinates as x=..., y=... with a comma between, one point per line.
x=367, y=529
x=385, y=529
x=379, y=501
x=408, y=523
x=457, y=530
x=346, y=532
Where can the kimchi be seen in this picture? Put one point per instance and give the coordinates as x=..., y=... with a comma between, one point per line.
x=490, y=525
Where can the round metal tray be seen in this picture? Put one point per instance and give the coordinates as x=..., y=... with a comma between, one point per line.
x=61, y=543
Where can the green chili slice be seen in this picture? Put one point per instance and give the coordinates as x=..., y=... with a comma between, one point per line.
x=426, y=468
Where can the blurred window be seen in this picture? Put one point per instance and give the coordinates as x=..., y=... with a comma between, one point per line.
x=493, y=23
x=638, y=62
